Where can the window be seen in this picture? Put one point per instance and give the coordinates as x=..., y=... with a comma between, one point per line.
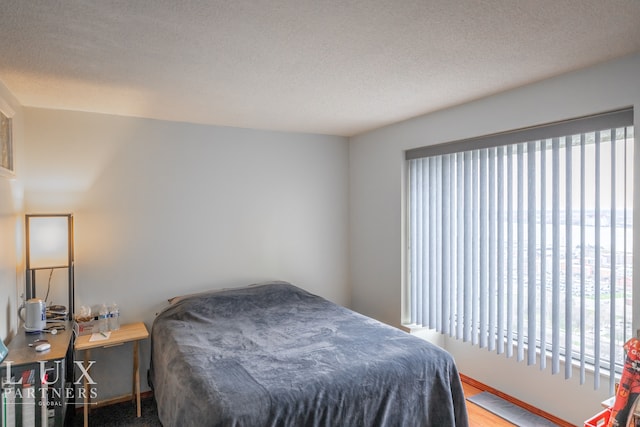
x=521, y=241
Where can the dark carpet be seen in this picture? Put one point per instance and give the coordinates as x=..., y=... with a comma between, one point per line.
x=121, y=415
x=510, y=412
x=124, y=414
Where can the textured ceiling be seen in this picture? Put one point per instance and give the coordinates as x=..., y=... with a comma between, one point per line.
x=322, y=66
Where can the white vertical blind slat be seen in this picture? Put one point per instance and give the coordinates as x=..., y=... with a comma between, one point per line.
x=531, y=251
x=438, y=246
x=583, y=264
x=568, y=258
x=453, y=280
x=468, y=254
x=491, y=295
x=543, y=254
x=416, y=242
x=461, y=260
x=555, y=274
x=510, y=247
x=500, y=276
x=612, y=266
x=431, y=290
x=628, y=144
x=520, y=256
x=483, y=249
x=475, y=243
x=445, y=238
x=596, y=281
x=425, y=205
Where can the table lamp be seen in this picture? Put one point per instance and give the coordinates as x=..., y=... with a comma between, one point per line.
x=49, y=246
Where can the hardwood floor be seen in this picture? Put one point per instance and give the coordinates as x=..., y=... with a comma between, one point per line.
x=479, y=417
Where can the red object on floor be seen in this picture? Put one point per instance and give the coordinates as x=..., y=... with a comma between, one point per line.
x=629, y=384
x=600, y=420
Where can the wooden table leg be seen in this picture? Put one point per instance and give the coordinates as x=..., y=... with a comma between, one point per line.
x=133, y=375
x=86, y=389
x=136, y=374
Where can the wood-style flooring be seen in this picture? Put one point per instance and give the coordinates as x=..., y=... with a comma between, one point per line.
x=479, y=417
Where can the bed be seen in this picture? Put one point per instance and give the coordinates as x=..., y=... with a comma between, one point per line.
x=275, y=355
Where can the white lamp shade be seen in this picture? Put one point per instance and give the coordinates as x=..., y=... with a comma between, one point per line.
x=48, y=241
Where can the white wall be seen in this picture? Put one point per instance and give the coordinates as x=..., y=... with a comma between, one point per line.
x=11, y=277
x=164, y=208
x=376, y=172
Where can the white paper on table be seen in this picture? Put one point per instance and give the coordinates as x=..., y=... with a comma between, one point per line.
x=99, y=336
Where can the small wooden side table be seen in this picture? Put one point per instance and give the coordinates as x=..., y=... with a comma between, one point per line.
x=133, y=332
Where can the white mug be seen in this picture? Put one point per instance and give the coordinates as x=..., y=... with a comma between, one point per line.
x=36, y=318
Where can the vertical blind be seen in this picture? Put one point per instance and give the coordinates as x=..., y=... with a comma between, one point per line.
x=521, y=241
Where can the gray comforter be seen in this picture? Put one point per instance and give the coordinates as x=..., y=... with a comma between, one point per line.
x=275, y=355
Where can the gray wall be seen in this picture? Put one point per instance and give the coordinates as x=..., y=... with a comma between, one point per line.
x=163, y=209
x=11, y=201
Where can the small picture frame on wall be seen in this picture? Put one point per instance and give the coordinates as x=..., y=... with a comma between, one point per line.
x=6, y=139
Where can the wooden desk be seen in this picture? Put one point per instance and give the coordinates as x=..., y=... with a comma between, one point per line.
x=132, y=332
x=21, y=354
